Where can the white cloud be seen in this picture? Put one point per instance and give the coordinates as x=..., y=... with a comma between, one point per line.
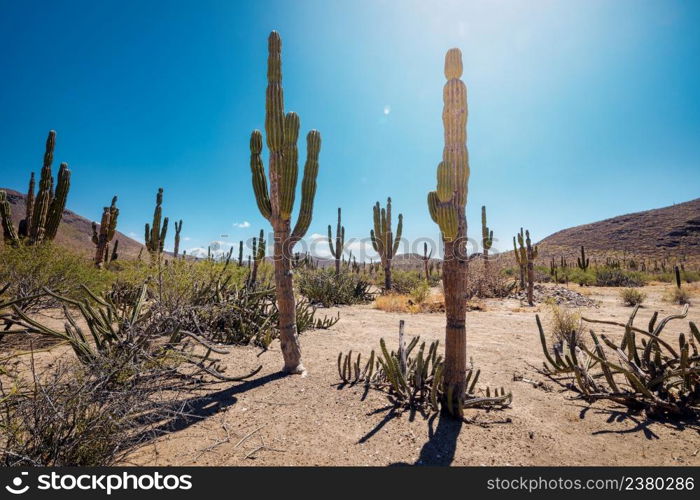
x=186, y=238
x=241, y=225
x=387, y=109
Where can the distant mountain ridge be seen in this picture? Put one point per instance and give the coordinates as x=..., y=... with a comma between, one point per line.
x=670, y=232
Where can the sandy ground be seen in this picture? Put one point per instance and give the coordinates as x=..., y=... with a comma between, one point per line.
x=275, y=420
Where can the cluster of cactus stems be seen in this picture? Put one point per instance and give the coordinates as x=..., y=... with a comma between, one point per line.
x=338, y=244
x=417, y=380
x=105, y=235
x=447, y=206
x=486, y=236
x=525, y=255
x=384, y=242
x=583, y=261
x=178, y=228
x=277, y=203
x=155, y=233
x=258, y=255
x=651, y=375
x=44, y=211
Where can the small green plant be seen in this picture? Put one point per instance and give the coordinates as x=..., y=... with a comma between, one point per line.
x=420, y=292
x=324, y=287
x=632, y=296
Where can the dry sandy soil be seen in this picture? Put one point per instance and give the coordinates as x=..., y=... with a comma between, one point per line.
x=275, y=420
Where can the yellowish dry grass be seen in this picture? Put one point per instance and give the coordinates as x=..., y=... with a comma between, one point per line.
x=435, y=302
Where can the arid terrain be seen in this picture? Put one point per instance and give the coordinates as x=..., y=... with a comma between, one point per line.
x=275, y=420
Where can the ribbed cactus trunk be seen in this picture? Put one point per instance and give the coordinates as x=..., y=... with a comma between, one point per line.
x=486, y=238
x=383, y=240
x=447, y=207
x=337, y=248
x=531, y=255
x=276, y=205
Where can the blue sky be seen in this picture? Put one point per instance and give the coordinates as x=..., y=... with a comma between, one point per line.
x=578, y=110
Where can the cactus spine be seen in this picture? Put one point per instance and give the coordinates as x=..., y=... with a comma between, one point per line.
x=108, y=227
x=486, y=237
x=276, y=204
x=337, y=250
x=43, y=213
x=447, y=206
x=383, y=240
x=178, y=228
x=583, y=260
x=155, y=233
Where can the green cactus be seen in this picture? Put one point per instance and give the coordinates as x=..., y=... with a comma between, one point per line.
x=447, y=206
x=486, y=236
x=155, y=233
x=115, y=254
x=526, y=259
x=258, y=254
x=337, y=249
x=43, y=213
x=521, y=257
x=108, y=227
x=427, y=264
x=583, y=260
x=383, y=240
x=277, y=202
x=178, y=228
x=677, y=272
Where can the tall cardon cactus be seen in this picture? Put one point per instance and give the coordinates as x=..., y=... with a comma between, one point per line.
x=43, y=212
x=486, y=237
x=426, y=261
x=337, y=249
x=276, y=204
x=447, y=206
x=527, y=256
x=178, y=228
x=383, y=240
x=155, y=233
x=108, y=227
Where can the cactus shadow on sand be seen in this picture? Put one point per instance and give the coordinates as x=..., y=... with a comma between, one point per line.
x=199, y=408
x=441, y=445
x=639, y=422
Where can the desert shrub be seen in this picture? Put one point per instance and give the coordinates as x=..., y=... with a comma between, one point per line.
x=632, y=296
x=670, y=277
x=566, y=327
x=489, y=282
x=29, y=269
x=322, y=286
x=677, y=296
x=643, y=371
x=403, y=282
x=607, y=276
x=420, y=292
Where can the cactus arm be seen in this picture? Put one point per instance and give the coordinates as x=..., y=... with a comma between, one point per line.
x=397, y=239
x=58, y=202
x=259, y=179
x=289, y=174
x=308, y=185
